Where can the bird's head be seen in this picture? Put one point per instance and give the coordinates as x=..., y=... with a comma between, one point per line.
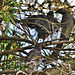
x=38, y=46
x=61, y=11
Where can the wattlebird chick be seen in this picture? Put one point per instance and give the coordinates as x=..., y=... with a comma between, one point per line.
x=34, y=56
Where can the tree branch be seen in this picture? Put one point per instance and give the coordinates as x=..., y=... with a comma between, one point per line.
x=14, y=50
x=11, y=71
x=12, y=59
x=16, y=39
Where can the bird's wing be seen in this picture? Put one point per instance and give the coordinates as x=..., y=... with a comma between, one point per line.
x=32, y=54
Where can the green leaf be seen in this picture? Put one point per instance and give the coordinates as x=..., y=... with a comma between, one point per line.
x=16, y=4
x=21, y=1
x=5, y=17
x=12, y=9
x=10, y=4
x=9, y=0
x=12, y=21
x=7, y=22
x=7, y=27
x=12, y=15
x=2, y=14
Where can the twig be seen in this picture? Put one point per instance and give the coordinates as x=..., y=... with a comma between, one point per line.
x=40, y=26
x=11, y=59
x=14, y=50
x=62, y=71
x=16, y=39
x=47, y=20
x=17, y=55
x=51, y=59
x=17, y=73
x=7, y=72
x=26, y=32
x=11, y=71
x=60, y=42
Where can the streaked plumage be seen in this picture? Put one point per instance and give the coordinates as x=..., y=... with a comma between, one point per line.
x=34, y=56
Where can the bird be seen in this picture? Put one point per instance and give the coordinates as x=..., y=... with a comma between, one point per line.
x=66, y=27
x=34, y=56
x=42, y=32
